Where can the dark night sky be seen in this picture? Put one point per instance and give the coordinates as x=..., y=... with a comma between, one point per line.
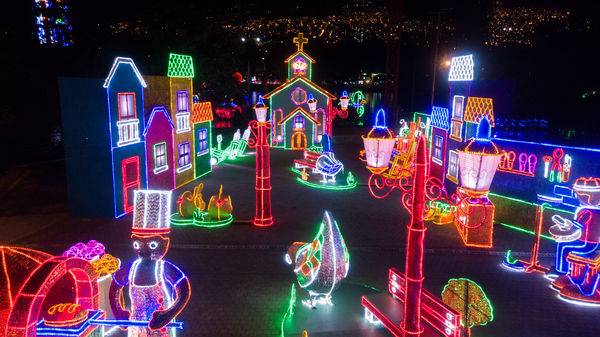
x=548, y=78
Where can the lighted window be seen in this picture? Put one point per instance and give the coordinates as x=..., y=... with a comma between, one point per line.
x=184, y=157
x=299, y=65
x=456, y=130
x=182, y=101
x=160, y=157
x=299, y=96
x=458, y=107
x=299, y=122
x=453, y=166
x=438, y=143
x=126, y=105
x=202, y=141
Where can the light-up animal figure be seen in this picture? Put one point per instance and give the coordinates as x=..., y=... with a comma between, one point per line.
x=158, y=289
x=321, y=265
x=327, y=165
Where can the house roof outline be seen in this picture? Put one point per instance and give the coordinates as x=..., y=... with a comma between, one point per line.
x=294, y=80
x=440, y=117
x=461, y=69
x=152, y=113
x=180, y=66
x=113, y=70
x=303, y=112
x=201, y=112
x=287, y=60
x=477, y=108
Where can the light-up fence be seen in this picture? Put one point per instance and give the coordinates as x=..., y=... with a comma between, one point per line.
x=436, y=313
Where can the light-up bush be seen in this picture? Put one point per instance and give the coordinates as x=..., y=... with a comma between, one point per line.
x=261, y=110
x=379, y=144
x=344, y=100
x=478, y=159
x=312, y=103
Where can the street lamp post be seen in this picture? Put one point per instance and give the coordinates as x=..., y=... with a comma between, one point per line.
x=263, y=215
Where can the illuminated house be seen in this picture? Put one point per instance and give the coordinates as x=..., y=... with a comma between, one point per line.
x=111, y=142
x=296, y=123
x=159, y=150
x=105, y=152
x=174, y=92
x=201, y=120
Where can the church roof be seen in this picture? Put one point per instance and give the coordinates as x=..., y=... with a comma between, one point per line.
x=303, y=54
x=303, y=112
x=478, y=107
x=294, y=80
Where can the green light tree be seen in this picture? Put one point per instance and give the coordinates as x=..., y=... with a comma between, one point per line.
x=468, y=298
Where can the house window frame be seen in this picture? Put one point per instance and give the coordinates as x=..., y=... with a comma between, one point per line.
x=295, y=128
x=437, y=150
x=182, y=155
x=180, y=100
x=298, y=89
x=202, y=149
x=126, y=94
x=456, y=128
x=165, y=166
x=451, y=165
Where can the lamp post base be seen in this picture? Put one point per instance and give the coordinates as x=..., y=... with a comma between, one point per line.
x=263, y=222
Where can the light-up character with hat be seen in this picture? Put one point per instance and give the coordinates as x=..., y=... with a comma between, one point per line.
x=158, y=290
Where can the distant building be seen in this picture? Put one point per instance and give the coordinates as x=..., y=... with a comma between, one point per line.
x=52, y=24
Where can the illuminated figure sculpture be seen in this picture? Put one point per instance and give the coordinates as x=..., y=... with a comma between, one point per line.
x=327, y=165
x=158, y=290
x=321, y=265
x=577, y=246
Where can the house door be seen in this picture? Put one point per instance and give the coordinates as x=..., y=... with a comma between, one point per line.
x=298, y=141
x=130, y=170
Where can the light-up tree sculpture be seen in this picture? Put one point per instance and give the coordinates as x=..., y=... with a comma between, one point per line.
x=260, y=142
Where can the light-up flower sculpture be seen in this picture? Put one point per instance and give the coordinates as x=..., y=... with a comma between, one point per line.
x=379, y=144
x=344, y=100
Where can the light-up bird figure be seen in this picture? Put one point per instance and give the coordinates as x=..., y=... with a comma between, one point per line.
x=321, y=265
x=327, y=165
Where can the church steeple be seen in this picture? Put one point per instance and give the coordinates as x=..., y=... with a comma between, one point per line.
x=300, y=63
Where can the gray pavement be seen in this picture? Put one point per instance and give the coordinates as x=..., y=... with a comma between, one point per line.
x=240, y=284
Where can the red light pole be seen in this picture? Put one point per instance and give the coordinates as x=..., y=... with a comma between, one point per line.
x=415, y=246
x=263, y=215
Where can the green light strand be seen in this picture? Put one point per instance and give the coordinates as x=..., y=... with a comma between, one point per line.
x=525, y=231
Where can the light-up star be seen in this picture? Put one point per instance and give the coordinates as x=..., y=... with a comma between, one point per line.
x=300, y=40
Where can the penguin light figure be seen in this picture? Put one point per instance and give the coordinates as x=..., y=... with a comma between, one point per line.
x=327, y=165
x=321, y=265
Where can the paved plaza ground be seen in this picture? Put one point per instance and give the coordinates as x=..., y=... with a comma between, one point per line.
x=240, y=283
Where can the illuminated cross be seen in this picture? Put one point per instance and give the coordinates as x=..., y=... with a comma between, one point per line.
x=300, y=40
